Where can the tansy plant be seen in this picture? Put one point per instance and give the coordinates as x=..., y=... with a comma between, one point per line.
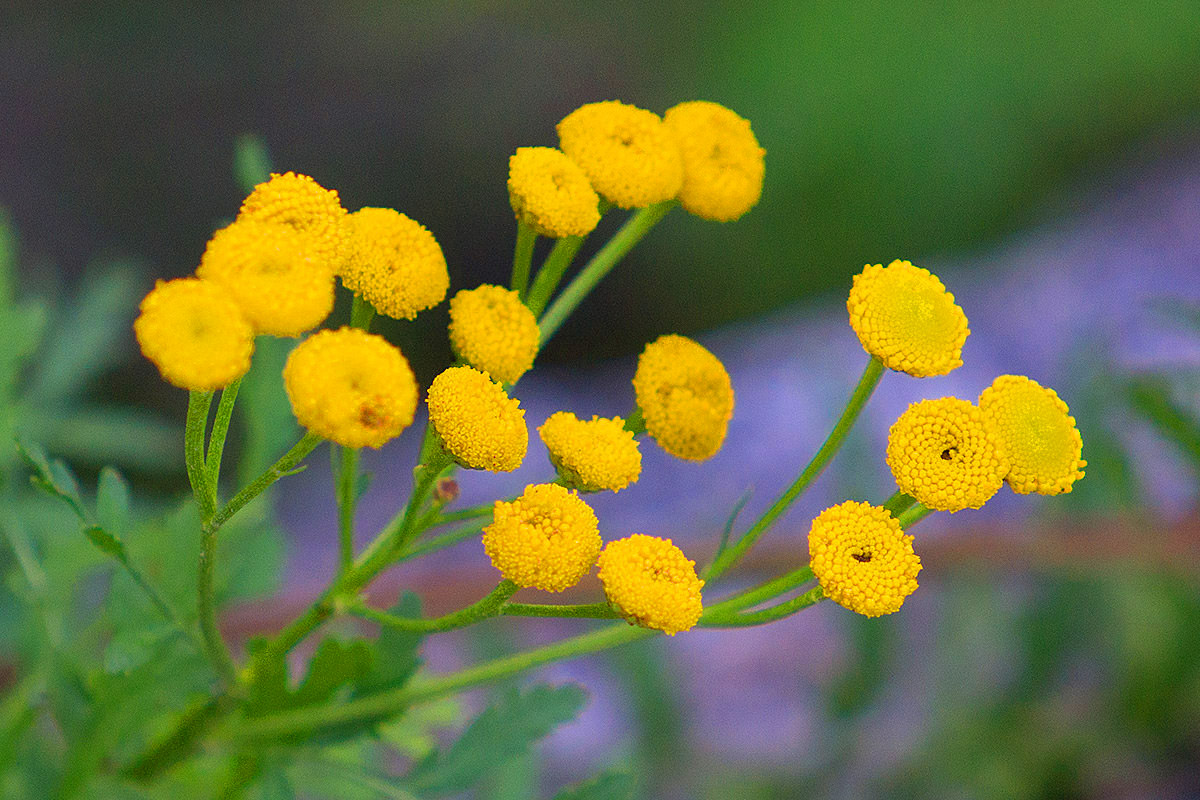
x=273, y=272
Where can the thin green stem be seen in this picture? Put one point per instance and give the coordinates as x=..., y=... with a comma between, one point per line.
x=635, y=423
x=361, y=313
x=760, y=594
x=220, y=429
x=522, y=257
x=474, y=512
x=629, y=234
x=776, y=612
x=581, y=611
x=897, y=503
x=439, y=542
x=862, y=392
x=286, y=464
x=484, y=608
x=913, y=515
x=193, y=453
x=552, y=271
x=347, y=499
x=214, y=645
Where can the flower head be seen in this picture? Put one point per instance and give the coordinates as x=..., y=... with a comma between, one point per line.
x=904, y=316
x=651, y=583
x=394, y=263
x=629, y=155
x=685, y=396
x=722, y=161
x=275, y=272
x=195, y=334
x=547, y=538
x=945, y=454
x=1038, y=432
x=479, y=425
x=592, y=455
x=551, y=194
x=351, y=387
x=492, y=330
x=862, y=559
x=301, y=203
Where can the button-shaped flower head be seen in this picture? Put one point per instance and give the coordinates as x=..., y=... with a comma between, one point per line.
x=547, y=538
x=551, y=194
x=862, y=559
x=493, y=331
x=628, y=154
x=351, y=387
x=276, y=273
x=685, y=396
x=722, y=160
x=195, y=334
x=478, y=424
x=946, y=454
x=592, y=455
x=904, y=316
x=301, y=203
x=394, y=263
x=651, y=583
x=1038, y=432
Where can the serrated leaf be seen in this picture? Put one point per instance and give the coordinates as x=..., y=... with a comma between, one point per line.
x=132, y=646
x=52, y=477
x=606, y=786
x=411, y=735
x=504, y=731
x=105, y=541
x=112, y=502
x=396, y=659
x=335, y=664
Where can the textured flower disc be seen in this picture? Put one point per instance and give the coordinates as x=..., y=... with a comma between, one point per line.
x=547, y=538
x=351, y=387
x=685, y=396
x=651, y=583
x=195, y=334
x=628, y=154
x=904, y=316
x=722, y=160
x=946, y=454
x=862, y=559
x=301, y=203
x=478, y=424
x=1038, y=432
x=493, y=331
x=551, y=194
x=394, y=263
x=592, y=455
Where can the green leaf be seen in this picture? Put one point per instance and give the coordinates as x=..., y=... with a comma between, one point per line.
x=1151, y=398
x=8, y=258
x=251, y=161
x=132, y=646
x=272, y=785
x=100, y=435
x=606, y=786
x=105, y=542
x=396, y=658
x=335, y=664
x=411, y=735
x=52, y=477
x=112, y=502
x=504, y=731
x=269, y=427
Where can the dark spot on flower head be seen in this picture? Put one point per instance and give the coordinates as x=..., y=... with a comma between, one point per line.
x=372, y=417
x=949, y=453
x=863, y=557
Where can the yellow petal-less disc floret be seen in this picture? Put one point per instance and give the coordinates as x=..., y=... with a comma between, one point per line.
x=195, y=334
x=722, y=160
x=478, y=424
x=904, y=316
x=651, y=583
x=629, y=155
x=276, y=273
x=394, y=263
x=592, y=455
x=351, y=387
x=862, y=559
x=547, y=538
x=493, y=331
x=551, y=194
x=685, y=396
x=301, y=203
x=1038, y=432
x=946, y=454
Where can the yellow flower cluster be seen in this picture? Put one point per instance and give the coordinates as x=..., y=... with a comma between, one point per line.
x=592, y=455
x=551, y=194
x=300, y=202
x=394, y=263
x=651, y=583
x=493, y=331
x=1038, y=433
x=946, y=455
x=722, y=160
x=478, y=424
x=547, y=538
x=904, y=316
x=862, y=559
x=685, y=396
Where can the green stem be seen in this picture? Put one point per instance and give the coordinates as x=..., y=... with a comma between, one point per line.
x=552, y=271
x=284, y=466
x=214, y=645
x=361, y=313
x=474, y=512
x=347, y=499
x=193, y=453
x=582, y=611
x=913, y=515
x=635, y=423
x=759, y=594
x=484, y=608
x=862, y=392
x=776, y=612
x=609, y=256
x=522, y=257
x=220, y=429
x=898, y=503
x=439, y=542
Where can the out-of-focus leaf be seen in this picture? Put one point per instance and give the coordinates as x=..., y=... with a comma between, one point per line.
x=97, y=435
x=412, y=734
x=252, y=554
x=105, y=542
x=8, y=258
x=1151, y=398
x=515, y=779
x=251, y=161
x=133, y=645
x=52, y=477
x=269, y=427
x=273, y=784
x=396, y=657
x=335, y=664
x=112, y=502
x=606, y=786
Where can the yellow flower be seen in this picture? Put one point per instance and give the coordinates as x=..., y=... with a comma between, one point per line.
x=351, y=387
x=478, y=424
x=1038, y=432
x=493, y=331
x=904, y=316
x=685, y=396
x=195, y=334
x=651, y=583
x=946, y=454
x=550, y=193
x=276, y=273
x=862, y=559
x=592, y=456
x=722, y=161
x=547, y=538
x=302, y=203
x=629, y=155
x=394, y=263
